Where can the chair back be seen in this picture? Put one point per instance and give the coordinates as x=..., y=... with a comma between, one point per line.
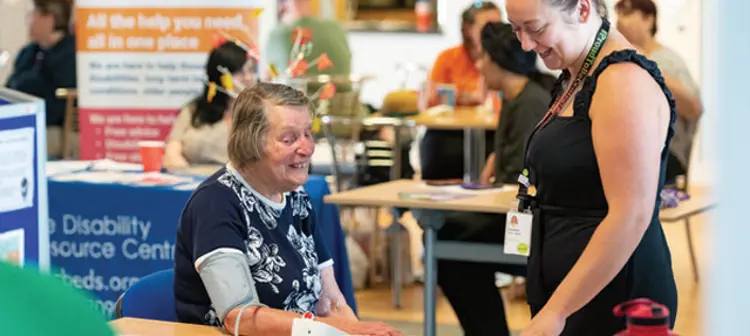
x=152, y=297
x=70, y=144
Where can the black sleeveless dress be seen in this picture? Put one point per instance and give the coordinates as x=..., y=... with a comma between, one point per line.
x=570, y=204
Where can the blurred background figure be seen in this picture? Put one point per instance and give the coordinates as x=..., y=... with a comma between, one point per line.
x=441, y=152
x=199, y=134
x=637, y=20
x=328, y=36
x=48, y=63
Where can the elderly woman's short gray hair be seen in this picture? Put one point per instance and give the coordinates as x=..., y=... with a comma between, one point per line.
x=247, y=137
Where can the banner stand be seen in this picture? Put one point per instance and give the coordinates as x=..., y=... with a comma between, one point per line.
x=24, y=228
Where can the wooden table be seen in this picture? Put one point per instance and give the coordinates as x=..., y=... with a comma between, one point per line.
x=142, y=327
x=701, y=200
x=459, y=119
x=387, y=195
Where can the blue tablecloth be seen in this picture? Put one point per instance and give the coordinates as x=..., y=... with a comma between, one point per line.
x=104, y=237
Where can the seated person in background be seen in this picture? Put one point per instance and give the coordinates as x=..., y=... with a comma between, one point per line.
x=199, y=135
x=248, y=247
x=636, y=19
x=327, y=37
x=469, y=286
x=48, y=63
x=442, y=152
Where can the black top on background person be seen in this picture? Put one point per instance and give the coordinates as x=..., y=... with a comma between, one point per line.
x=512, y=71
x=598, y=167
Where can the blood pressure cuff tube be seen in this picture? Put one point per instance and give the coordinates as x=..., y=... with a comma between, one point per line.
x=228, y=281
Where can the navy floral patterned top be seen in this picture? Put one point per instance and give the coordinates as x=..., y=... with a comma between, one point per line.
x=284, y=250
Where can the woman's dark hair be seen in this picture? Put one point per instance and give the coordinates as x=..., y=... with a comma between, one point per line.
x=569, y=5
x=646, y=7
x=504, y=49
x=230, y=56
x=61, y=11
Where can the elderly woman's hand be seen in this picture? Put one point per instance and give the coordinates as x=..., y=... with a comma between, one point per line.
x=362, y=328
x=335, y=308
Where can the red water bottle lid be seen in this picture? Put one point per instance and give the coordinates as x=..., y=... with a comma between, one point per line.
x=643, y=312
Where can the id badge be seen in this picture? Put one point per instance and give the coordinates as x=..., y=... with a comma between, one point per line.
x=518, y=233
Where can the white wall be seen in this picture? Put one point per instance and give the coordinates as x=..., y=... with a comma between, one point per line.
x=379, y=53
x=726, y=48
x=12, y=30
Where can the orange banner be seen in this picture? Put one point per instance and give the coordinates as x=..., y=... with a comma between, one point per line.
x=161, y=29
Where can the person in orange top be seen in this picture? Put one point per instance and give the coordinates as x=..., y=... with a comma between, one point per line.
x=441, y=152
x=457, y=65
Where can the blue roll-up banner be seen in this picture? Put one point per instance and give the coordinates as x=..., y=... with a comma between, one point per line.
x=24, y=229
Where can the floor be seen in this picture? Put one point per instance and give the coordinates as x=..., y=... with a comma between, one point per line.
x=376, y=303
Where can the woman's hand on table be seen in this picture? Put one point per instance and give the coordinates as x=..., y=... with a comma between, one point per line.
x=361, y=327
x=335, y=308
x=489, y=170
x=545, y=324
x=469, y=99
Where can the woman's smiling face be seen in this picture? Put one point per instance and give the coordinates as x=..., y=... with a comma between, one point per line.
x=289, y=147
x=551, y=32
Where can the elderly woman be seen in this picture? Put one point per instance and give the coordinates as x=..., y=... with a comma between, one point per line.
x=249, y=255
x=198, y=135
x=598, y=161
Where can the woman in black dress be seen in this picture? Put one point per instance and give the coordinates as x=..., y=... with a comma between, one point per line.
x=597, y=161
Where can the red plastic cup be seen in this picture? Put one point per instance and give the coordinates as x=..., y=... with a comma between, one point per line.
x=152, y=154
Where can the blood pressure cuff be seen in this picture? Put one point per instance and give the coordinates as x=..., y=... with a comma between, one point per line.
x=228, y=281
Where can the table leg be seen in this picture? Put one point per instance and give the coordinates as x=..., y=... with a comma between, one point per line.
x=394, y=231
x=474, y=154
x=397, y=153
x=430, y=282
x=467, y=156
x=431, y=221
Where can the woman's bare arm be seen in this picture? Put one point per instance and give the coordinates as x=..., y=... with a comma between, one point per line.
x=630, y=118
x=688, y=104
x=332, y=302
x=173, y=158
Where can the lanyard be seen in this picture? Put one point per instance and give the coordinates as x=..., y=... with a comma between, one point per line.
x=556, y=108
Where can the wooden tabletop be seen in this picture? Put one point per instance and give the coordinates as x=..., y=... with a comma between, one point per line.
x=387, y=195
x=458, y=119
x=141, y=327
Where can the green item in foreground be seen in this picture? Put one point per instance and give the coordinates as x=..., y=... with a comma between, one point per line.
x=32, y=303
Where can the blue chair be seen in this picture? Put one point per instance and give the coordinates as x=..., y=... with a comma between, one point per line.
x=152, y=297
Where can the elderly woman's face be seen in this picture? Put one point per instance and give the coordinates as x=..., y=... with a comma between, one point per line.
x=546, y=30
x=289, y=146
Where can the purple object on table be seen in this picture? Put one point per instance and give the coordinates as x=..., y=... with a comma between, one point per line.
x=671, y=198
